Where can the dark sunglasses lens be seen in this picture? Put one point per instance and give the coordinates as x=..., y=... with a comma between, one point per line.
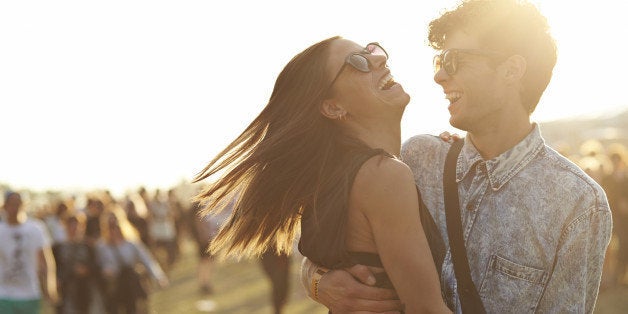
x=359, y=62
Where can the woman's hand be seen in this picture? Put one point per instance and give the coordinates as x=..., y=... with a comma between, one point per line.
x=163, y=282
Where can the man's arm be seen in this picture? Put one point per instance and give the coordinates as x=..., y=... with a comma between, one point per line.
x=575, y=281
x=341, y=292
x=47, y=274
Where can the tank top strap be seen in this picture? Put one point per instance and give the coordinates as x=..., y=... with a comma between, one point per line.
x=366, y=258
x=365, y=154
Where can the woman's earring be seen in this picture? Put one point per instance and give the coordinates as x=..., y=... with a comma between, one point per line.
x=342, y=117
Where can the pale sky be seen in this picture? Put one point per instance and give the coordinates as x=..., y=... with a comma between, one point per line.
x=117, y=94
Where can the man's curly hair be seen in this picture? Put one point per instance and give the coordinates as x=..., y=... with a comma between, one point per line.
x=511, y=27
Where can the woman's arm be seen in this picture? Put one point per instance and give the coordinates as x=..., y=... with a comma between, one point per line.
x=385, y=192
x=47, y=274
x=147, y=259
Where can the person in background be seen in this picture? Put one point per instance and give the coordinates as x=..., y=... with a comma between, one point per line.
x=27, y=267
x=162, y=230
x=203, y=231
x=276, y=266
x=76, y=266
x=54, y=223
x=94, y=210
x=616, y=186
x=53, y=219
x=139, y=223
x=121, y=250
x=178, y=213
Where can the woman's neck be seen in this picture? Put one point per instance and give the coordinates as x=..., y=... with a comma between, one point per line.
x=384, y=136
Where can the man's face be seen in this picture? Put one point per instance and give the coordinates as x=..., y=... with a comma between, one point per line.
x=12, y=205
x=476, y=96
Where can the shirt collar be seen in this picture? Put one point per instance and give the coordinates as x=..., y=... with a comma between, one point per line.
x=503, y=167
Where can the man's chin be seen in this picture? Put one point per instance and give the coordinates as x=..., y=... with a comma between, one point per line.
x=458, y=124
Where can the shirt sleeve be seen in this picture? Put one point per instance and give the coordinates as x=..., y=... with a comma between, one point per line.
x=149, y=262
x=105, y=258
x=42, y=239
x=574, y=284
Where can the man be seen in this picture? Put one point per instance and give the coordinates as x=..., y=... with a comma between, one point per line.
x=26, y=263
x=536, y=227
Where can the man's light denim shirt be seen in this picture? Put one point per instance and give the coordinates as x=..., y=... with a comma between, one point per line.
x=536, y=227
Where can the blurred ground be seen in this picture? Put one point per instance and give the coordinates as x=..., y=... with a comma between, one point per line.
x=240, y=287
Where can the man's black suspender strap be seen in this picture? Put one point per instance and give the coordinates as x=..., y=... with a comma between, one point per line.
x=469, y=298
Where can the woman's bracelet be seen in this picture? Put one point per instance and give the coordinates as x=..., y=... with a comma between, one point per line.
x=316, y=278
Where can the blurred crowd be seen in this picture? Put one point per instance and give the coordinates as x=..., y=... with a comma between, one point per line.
x=107, y=254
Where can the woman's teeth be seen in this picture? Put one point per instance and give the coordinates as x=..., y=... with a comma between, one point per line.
x=387, y=82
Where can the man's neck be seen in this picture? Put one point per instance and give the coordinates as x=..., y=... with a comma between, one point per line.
x=16, y=220
x=494, y=141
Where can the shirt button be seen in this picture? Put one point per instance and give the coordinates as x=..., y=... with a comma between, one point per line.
x=470, y=206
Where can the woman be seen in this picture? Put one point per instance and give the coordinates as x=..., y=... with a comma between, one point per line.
x=118, y=255
x=322, y=154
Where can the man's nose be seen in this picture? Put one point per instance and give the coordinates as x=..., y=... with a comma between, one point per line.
x=441, y=76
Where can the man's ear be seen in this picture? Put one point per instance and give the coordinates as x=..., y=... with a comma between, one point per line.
x=514, y=68
x=331, y=109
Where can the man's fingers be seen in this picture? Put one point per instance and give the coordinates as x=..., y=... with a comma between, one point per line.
x=384, y=306
x=369, y=312
x=375, y=294
x=342, y=293
x=445, y=136
x=362, y=273
x=368, y=306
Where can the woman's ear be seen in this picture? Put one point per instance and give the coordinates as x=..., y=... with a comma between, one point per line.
x=514, y=68
x=332, y=110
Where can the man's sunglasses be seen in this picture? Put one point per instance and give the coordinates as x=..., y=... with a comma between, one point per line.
x=449, y=58
x=360, y=61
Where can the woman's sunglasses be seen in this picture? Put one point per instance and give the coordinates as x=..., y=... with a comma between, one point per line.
x=449, y=59
x=360, y=61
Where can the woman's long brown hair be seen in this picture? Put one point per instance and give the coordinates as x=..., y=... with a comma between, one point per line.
x=278, y=166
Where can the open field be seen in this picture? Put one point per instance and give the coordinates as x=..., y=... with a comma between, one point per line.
x=240, y=287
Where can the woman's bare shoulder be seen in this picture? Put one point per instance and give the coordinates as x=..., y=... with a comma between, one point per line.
x=383, y=168
x=380, y=179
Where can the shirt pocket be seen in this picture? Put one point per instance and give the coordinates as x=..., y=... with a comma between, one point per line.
x=509, y=283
